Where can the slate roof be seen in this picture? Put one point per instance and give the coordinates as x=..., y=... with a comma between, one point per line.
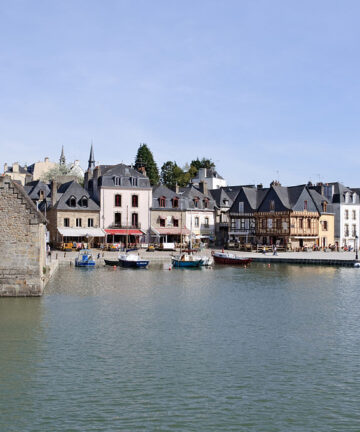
x=186, y=198
x=125, y=173
x=22, y=170
x=70, y=189
x=339, y=191
x=319, y=200
x=34, y=188
x=220, y=197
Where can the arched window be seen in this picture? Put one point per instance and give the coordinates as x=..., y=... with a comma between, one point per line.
x=162, y=201
x=72, y=201
x=117, y=200
x=83, y=201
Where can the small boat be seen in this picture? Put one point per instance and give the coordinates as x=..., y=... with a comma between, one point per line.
x=206, y=261
x=229, y=258
x=185, y=261
x=84, y=259
x=129, y=261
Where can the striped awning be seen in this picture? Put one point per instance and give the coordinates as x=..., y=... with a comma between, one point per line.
x=81, y=232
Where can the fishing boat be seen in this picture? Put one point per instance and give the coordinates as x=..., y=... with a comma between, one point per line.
x=230, y=259
x=185, y=260
x=84, y=259
x=129, y=261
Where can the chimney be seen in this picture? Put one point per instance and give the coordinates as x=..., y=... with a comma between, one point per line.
x=53, y=193
x=15, y=167
x=177, y=190
x=142, y=170
x=203, y=187
x=259, y=186
x=46, y=160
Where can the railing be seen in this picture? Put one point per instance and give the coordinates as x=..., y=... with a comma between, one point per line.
x=121, y=226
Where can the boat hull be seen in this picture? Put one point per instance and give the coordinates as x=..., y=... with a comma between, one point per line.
x=186, y=264
x=231, y=261
x=128, y=264
x=85, y=264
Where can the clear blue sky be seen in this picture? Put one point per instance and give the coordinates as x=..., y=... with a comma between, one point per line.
x=267, y=89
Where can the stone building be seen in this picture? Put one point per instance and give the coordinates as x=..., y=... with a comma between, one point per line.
x=73, y=216
x=210, y=176
x=22, y=242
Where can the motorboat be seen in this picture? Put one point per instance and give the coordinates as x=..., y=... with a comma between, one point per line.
x=185, y=260
x=229, y=258
x=206, y=261
x=84, y=259
x=129, y=261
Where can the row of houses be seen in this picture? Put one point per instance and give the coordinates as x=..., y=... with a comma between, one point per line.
x=117, y=204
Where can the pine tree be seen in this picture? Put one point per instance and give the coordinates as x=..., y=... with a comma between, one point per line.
x=144, y=158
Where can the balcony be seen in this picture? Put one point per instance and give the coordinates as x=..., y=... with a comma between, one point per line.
x=122, y=226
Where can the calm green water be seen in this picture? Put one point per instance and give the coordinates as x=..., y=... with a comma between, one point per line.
x=228, y=349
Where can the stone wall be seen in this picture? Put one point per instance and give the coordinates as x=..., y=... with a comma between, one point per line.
x=22, y=242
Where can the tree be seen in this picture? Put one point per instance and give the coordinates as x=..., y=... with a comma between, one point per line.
x=144, y=158
x=58, y=171
x=203, y=163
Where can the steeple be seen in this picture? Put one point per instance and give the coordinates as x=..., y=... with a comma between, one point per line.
x=62, y=156
x=91, y=158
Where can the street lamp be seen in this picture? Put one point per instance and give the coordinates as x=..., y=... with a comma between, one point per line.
x=356, y=248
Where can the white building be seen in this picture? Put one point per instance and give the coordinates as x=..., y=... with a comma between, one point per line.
x=210, y=177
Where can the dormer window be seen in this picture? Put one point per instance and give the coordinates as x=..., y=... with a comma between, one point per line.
x=305, y=205
x=162, y=201
x=41, y=195
x=175, y=202
x=347, y=198
x=133, y=181
x=206, y=203
x=226, y=202
x=117, y=180
x=72, y=201
x=354, y=198
x=324, y=206
x=196, y=202
x=83, y=201
x=272, y=205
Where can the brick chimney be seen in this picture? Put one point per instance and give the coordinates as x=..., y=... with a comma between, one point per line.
x=203, y=187
x=53, y=192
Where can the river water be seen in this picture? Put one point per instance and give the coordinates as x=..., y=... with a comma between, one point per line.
x=226, y=349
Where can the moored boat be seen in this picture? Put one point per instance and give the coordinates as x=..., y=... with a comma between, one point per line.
x=129, y=261
x=229, y=258
x=185, y=261
x=84, y=259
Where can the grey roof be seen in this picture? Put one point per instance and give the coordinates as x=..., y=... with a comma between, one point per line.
x=125, y=173
x=338, y=192
x=34, y=188
x=73, y=189
x=221, y=197
x=22, y=170
x=319, y=200
x=186, y=197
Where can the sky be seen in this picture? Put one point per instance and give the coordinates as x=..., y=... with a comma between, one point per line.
x=266, y=89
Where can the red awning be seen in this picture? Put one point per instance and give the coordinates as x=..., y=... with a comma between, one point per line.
x=134, y=232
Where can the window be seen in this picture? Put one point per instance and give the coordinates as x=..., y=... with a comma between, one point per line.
x=354, y=214
x=325, y=225
x=278, y=223
x=309, y=223
x=241, y=207
x=133, y=181
x=162, y=222
x=83, y=201
x=42, y=195
x=353, y=231
x=270, y=223
x=196, y=202
x=117, y=200
x=346, y=214
x=252, y=223
x=354, y=198
x=135, y=201
x=347, y=197
x=233, y=224
x=72, y=201
x=175, y=222
x=272, y=205
x=263, y=223
x=242, y=224
x=117, y=181
x=162, y=201
x=66, y=222
x=175, y=202
x=305, y=205
x=226, y=202
x=324, y=206
x=206, y=222
x=134, y=220
x=90, y=222
x=301, y=223
x=206, y=203
x=328, y=192
x=346, y=230
x=117, y=219
x=78, y=222
x=197, y=222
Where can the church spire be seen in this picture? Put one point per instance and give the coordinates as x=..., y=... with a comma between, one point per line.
x=62, y=156
x=91, y=158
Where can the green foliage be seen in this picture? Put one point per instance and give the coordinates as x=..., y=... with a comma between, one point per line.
x=144, y=158
x=172, y=174
x=53, y=173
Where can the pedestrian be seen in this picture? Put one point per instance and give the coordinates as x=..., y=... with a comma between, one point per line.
x=274, y=251
x=264, y=250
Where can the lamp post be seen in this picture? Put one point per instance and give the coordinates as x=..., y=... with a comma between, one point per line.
x=356, y=248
